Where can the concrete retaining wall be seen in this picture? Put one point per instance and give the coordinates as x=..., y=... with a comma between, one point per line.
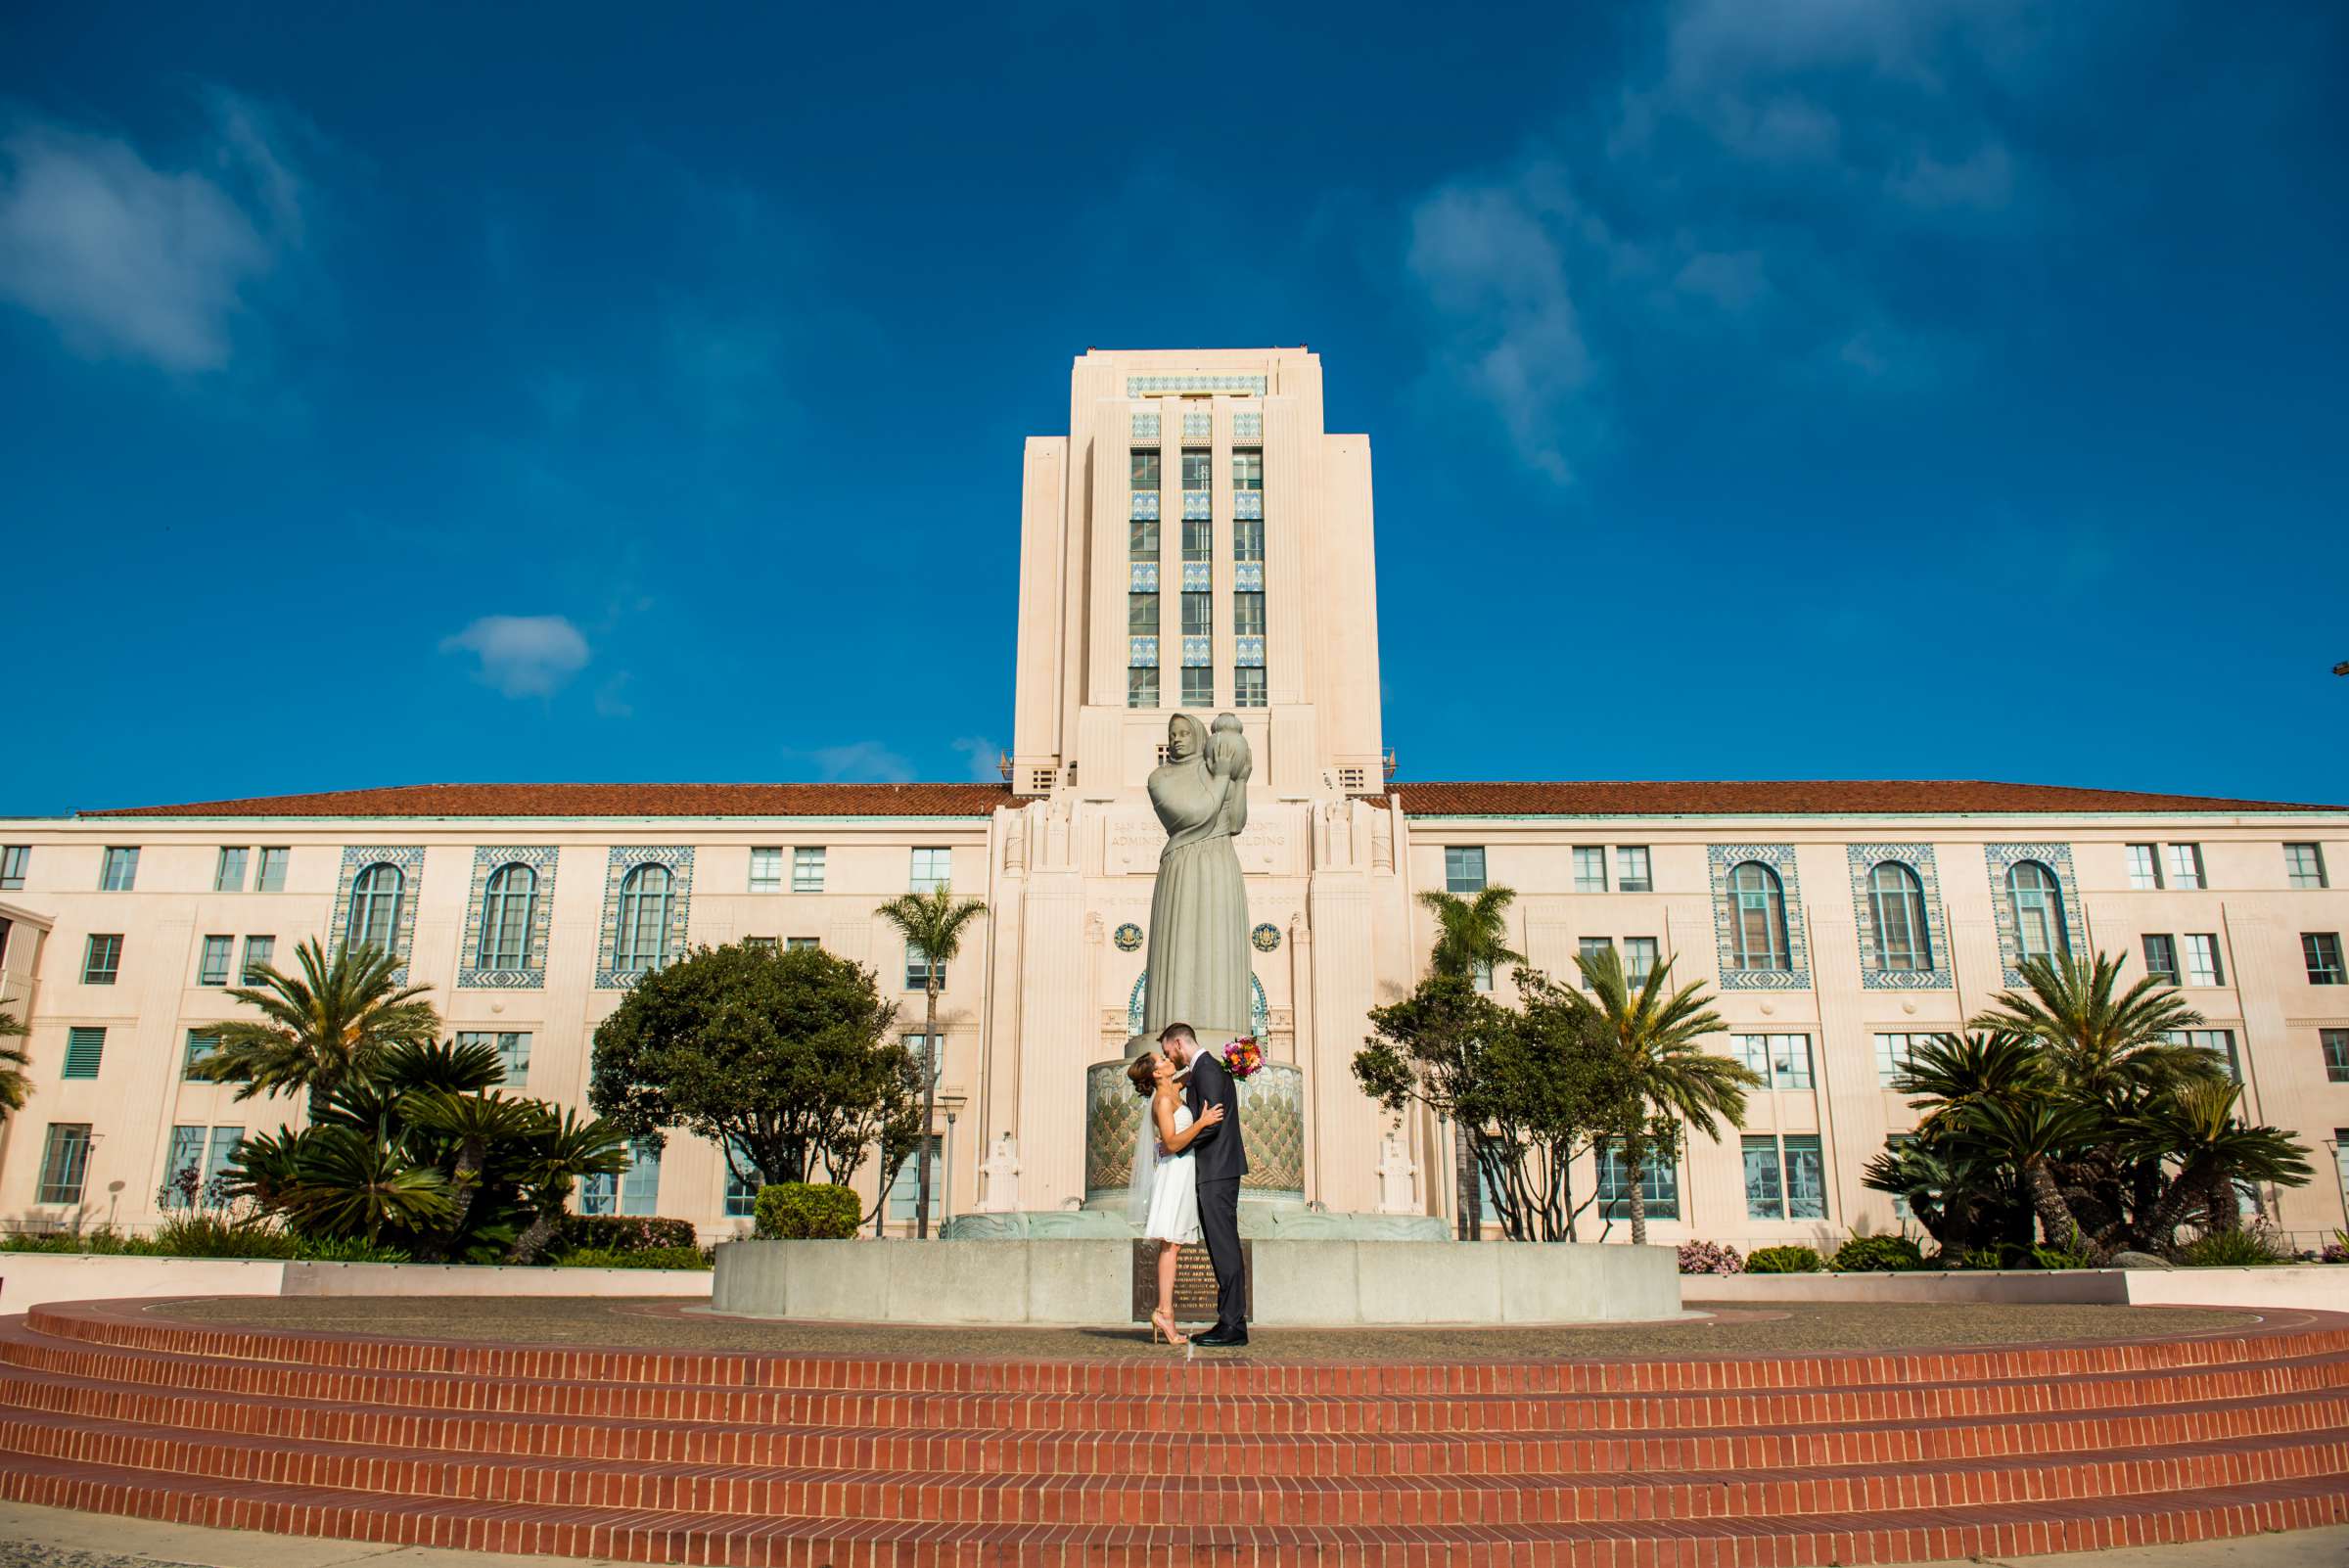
x=2321, y=1287
x=28, y=1280
x=1298, y=1283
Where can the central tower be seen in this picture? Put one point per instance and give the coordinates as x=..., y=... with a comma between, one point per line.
x=1197, y=543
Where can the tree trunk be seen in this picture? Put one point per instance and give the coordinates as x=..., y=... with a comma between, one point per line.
x=1566, y=1185
x=2055, y=1216
x=1471, y=1201
x=532, y=1241
x=1635, y=1155
x=320, y=1093
x=929, y=1071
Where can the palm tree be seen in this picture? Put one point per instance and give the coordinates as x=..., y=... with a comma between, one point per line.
x=1954, y=1073
x=1673, y=1078
x=565, y=1150
x=16, y=1086
x=1472, y=938
x=2198, y=1127
x=2098, y=1044
x=321, y=1031
x=2032, y=1135
x=474, y=1124
x=934, y=922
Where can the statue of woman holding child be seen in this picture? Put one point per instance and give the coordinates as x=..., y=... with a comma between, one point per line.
x=1199, y=961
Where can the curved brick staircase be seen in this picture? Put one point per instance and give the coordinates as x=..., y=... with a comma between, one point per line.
x=842, y=1462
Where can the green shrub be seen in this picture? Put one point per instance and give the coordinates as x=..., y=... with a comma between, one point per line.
x=1997, y=1255
x=1878, y=1254
x=2062, y=1258
x=2229, y=1248
x=1785, y=1261
x=620, y=1233
x=214, y=1233
x=346, y=1249
x=637, y=1258
x=801, y=1210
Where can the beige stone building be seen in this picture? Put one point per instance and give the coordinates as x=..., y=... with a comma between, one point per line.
x=1197, y=540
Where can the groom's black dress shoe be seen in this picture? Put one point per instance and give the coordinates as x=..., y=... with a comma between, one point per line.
x=1220, y=1337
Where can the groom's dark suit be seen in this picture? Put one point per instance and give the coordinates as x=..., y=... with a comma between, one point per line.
x=1220, y=1159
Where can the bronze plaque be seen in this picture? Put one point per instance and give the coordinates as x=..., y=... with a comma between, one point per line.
x=1194, y=1284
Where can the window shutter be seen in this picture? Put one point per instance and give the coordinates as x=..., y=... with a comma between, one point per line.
x=83, y=1047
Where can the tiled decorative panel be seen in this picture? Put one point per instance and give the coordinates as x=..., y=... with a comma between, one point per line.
x=1917, y=858
x=2005, y=857
x=1247, y=427
x=1161, y=386
x=1142, y=577
x=1201, y=426
x=408, y=861
x=531, y=976
x=1720, y=859
x=1145, y=427
x=1196, y=508
x=1250, y=653
x=1248, y=505
x=1249, y=576
x=626, y=857
x=1141, y=653
x=1197, y=576
x=1195, y=653
x=1145, y=506
x=1259, y=1012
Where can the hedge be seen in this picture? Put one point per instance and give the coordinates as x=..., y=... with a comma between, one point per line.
x=800, y=1210
x=620, y=1233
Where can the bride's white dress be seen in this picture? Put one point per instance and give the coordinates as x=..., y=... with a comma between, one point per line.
x=1174, y=1192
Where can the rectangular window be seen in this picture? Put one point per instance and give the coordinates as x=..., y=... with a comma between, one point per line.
x=1198, y=539
x=2336, y=1055
x=636, y=1192
x=1198, y=686
x=2321, y=952
x=1141, y=689
x=1198, y=614
x=1806, y=1178
x=1592, y=946
x=273, y=870
x=918, y=967
x=2144, y=870
x=1631, y=869
x=220, y=1153
x=762, y=943
x=742, y=1191
x=1145, y=468
x=1246, y=469
x=1659, y=1186
x=2185, y=865
x=513, y=1051
x=918, y=1046
x=807, y=871
x=1464, y=868
x=906, y=1188
x=1141, y=615
x=1248, y=615
x=800, y=943
x=85, y=1049
x=261, y=952
x=1783, y=1061
x=2304, y=866
x=65, y=1163
x=213, y=968
x=1248, y=541
x=1590, y=868
x=200, y=1047
x=102, y=961
x=14, y=861
x=766, y=869
x=2202, y=960
x=1198, y=469
x=186, y=1154
x=1765, y=1182
x=1141, y=540
x=1480, y=974
x=2161, y=957
x=1248, y=688
x=932, y=869
x=121, y=871
x=2220, y=1043
x=229, y=875
x=1638, y=958
x=1893, y=1052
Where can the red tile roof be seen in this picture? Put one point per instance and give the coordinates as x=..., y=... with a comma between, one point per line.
x=1798, y=798
x=1733, y=797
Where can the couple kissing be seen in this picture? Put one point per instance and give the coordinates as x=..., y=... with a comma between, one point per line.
x=1187, y=1165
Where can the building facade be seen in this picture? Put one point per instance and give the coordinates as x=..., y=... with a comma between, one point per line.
x=1197, y=541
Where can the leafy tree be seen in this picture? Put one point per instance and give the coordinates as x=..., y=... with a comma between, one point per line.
x=565, y=1150
x=1671, y=1080
x=15, y=1085
x=781, y=1059
x=2196, y=1127
x=2097, y=1044
x=1429, y=1048
x=934, y=922
x=319, y=1031
x=1550, y=1092
x=1472, y=938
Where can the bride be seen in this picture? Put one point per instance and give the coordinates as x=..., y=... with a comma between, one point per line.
x=1166, y=1194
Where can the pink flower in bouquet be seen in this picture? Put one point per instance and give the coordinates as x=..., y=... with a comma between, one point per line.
x=1243, y=1057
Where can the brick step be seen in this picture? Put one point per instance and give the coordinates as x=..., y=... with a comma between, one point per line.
x=1176, y=1415
x=994, y=1453
x=2282, y=1336
x=1887, y=1536
x=1240, y=1497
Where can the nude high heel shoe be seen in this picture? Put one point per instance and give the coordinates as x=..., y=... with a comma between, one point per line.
x=1162, y=1325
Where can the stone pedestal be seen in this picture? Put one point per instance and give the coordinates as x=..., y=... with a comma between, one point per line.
x=1271, y=1122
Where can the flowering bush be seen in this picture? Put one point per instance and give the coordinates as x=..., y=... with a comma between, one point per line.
x=2335, y=1252
x=1710, y=1258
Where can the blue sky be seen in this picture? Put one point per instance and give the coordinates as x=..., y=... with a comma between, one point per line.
x=1801, y=390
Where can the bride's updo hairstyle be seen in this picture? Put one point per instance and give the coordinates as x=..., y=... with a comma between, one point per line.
x=1144, y=1073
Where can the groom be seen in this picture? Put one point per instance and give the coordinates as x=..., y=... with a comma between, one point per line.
x=1219, y=1161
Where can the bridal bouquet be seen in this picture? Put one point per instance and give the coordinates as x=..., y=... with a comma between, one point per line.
x=1243, y=1057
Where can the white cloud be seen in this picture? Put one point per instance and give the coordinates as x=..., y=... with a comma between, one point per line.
x=864, y=760
x=983, y=759
x=126, y=259
x=522, y=656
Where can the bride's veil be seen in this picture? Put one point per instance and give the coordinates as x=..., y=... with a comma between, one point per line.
x=1145, y=1164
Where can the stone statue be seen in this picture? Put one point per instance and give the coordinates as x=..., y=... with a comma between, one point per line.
x=1397, y=1192
x=1003, y=1173
x=1199, y=964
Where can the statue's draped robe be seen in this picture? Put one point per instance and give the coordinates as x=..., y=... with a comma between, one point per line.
x=1199, y=968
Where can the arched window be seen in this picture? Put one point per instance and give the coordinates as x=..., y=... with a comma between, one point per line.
x=2036, y=899
x=1759, y=902
x=1897, y=899
x=375, y=906
x=643, y=939
x=508, y=904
